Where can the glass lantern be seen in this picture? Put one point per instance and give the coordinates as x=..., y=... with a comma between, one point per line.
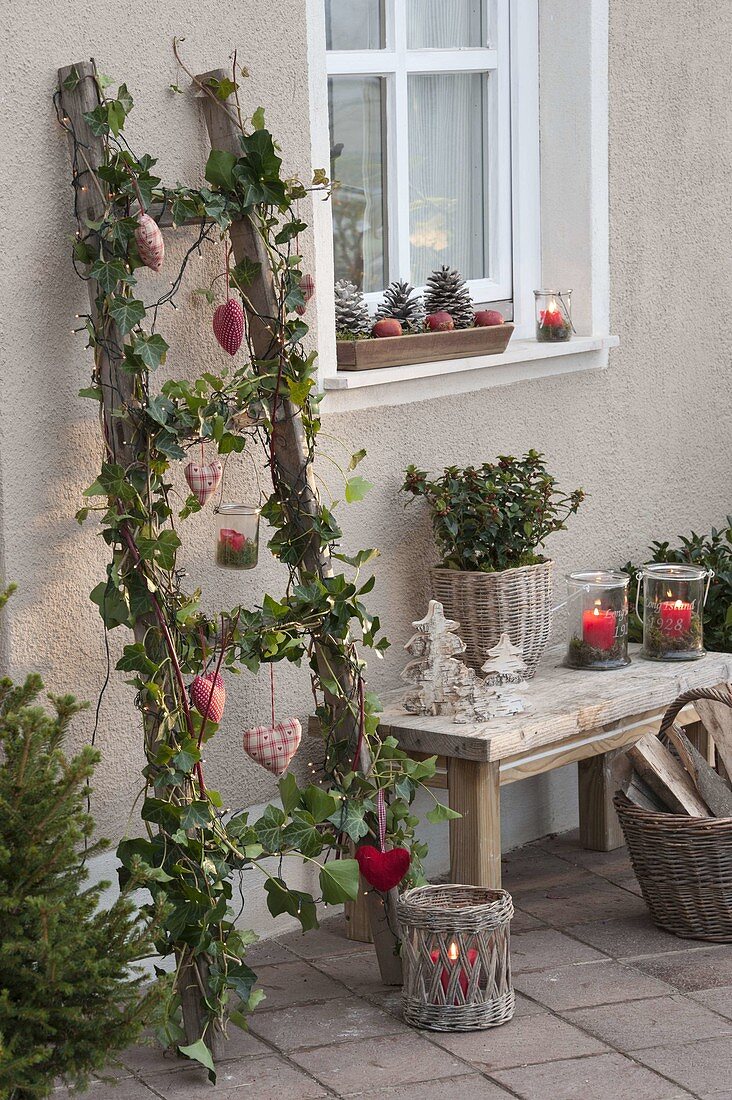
x=553, y=315
x=597, y=619
x=673, y=605
x=237, y=536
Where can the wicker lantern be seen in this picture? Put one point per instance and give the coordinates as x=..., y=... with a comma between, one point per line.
x=455, y=953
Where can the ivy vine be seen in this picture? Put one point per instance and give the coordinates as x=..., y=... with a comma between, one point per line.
x=194, y=854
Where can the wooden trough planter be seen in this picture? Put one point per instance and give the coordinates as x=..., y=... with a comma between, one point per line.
x=424, y=347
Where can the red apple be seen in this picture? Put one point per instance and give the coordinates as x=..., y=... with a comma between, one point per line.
x=484, y=318
x=387, y=326
x=440, y=321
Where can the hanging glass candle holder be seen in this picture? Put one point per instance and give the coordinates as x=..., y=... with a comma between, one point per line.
x=237, y=536
x=553, y=316
x=673, y=606
x=597, y=619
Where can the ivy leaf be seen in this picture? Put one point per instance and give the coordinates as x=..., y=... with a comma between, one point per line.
x=356, y=458
x=160, y=550
x=124, y=99
x=160, y=409
x=241, y=978
x=160, y=812
x=111, y=604
x=223, y=88
x=269, y=828
x=199, y=1052
x=299, y=390
x=258, y=119
x=357, y=488
x=289, y=230
x=339, y=881
x=151, y=349
x=183, y=208
x=135, y=659
x=440, y=812
x=219, y=168
x=71, y=80
x=320, y=803
x=358, y=559
x=245, y=272
x=97, y=120
x=126, y=312
x=92, y=392
x=195, y=815
x=108, y=273
x=302, y=835
x=289, y=792
x=295, y=902
x=350, y=818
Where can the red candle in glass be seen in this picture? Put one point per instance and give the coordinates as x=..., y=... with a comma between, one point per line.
x=551, y=317
x=598, y=628
x=453, y=955
x=675, y=616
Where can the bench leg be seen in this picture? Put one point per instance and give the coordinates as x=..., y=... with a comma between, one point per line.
x=475, y=838
x=599, y=779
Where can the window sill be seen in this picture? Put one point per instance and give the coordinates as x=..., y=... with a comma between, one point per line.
x=523, y=359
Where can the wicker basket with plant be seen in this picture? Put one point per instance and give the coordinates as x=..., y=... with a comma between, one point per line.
x=490, y=523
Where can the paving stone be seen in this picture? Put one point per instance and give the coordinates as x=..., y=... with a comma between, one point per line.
x=266, y=1078
x=524, y=922
x=384, y=1062
x=719, y=1000
x=530, y=869
x=700, y=968
x=322, y=942
x=562, y=905
x=626, y=937
x=587, y=984
x=128, y=1089
x=330, y=1022
x=546, y=948
x=471, y=1087
x=520, y=1042
x=269, y=953
x=295, y=983
x=358, y=972
x=242, y=1044
x=701, y=1067
x=602, y=1077
x=567, y=846
x=151, y=1059
x=652, y=1022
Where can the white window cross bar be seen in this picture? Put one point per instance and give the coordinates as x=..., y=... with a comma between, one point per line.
x=382, y=62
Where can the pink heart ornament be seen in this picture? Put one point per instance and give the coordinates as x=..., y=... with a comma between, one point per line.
x=274, y=746
x=203, y=479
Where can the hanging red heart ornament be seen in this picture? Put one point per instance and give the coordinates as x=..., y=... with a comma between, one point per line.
x=383, y=870
x=228, y=325
x=307, y=289
x=203, y=479
x=208, y=695
x=150, y=243
x=274, y=746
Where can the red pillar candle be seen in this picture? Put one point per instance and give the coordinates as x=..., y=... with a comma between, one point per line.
x=675, y=617
x=552, y=318
x=453, y=955
x=598, y=628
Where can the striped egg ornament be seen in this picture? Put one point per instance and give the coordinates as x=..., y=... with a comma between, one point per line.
x=228, y=325
x=150, y=243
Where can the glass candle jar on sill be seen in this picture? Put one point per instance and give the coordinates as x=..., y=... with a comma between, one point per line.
x=553, y=316
x=237, y=536
x=673, y=605
x=597, y=619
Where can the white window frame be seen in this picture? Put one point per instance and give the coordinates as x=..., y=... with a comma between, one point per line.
x=394, y=64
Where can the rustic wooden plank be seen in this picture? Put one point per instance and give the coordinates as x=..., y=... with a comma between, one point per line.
x=717, y=719
x=423, y=347
x=599, y=777
x=712, y=788
x=640, y=794
x=475, y=838
x=666, y=776
x=700, y=738
x=564, y=703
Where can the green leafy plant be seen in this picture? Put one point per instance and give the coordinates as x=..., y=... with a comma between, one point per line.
x=70, y=996
x=713, y=551
x=195, y=853
x=495, y=516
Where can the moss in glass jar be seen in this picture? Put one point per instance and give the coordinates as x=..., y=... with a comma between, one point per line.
x=552, y=328
x=235, y=551
x=661, y=643
x=583, y=655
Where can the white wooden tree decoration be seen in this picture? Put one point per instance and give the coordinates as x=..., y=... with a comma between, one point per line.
x=500, y=693
x=436, y=665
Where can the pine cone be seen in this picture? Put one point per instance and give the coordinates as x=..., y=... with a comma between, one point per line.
x=399, y=303
x=446, y=290
x=351, y=312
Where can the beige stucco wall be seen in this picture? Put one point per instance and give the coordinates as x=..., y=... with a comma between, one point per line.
x=649, y=438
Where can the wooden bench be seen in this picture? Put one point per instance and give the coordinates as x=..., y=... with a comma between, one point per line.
x=575, y=716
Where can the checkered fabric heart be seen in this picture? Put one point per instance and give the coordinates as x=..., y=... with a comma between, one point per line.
x=203, y=479
x=149, y=241
x=274, y=746
x=307, y=289
x=208, y=695
x=228, y=325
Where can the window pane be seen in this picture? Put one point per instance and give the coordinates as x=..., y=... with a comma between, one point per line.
x=448, y=208
x=357, y=161
x=354, y=24
x=444, y=24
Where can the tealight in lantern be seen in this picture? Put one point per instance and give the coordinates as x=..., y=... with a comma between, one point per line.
x=673, y=602
x=553, y=315
x=597, y=619
x=237, y=536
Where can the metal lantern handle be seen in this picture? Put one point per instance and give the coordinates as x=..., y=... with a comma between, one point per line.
x=638, y=587
x=710, y=578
